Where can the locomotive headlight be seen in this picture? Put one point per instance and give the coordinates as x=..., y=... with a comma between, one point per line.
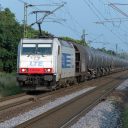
x=24, y=70
x=48, y=70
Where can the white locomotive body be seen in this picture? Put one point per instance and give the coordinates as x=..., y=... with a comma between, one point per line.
x=42, y=63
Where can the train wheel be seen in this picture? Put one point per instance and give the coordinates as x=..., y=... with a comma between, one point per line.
x=52, y=86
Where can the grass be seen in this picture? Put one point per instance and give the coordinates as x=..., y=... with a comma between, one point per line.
x=125, y=118
x=8, y=84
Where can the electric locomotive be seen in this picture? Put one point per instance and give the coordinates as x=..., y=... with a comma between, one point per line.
x=42, y=63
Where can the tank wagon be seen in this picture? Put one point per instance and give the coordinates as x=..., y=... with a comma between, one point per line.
x=46, y=64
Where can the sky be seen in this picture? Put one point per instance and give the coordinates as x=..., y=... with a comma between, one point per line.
x=104, y=21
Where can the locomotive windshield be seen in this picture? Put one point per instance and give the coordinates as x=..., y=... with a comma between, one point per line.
x=40, y=49
x=44, y=49
x=28, y=49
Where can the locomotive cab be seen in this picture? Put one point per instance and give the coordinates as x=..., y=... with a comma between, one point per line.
x=36, y=62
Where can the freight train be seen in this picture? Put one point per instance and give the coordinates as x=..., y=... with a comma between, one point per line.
x=51, y=63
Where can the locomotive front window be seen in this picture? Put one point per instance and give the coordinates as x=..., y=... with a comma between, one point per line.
x=28, y=49
x=44, y=49
x=40, y=49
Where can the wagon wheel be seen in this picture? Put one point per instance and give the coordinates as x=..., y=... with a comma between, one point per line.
x=53, y=86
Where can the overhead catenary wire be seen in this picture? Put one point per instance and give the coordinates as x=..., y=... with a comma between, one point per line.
x=41, y=19
x=73, y=19
x=119, y=12
x=72, y=27
x=35, y=5
x=96, y=12
x=99, y=15
x=47, y=14
x=117, y=9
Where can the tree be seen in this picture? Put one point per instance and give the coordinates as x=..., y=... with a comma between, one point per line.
x=110, y=52
x=75, y=41
x=10, y=34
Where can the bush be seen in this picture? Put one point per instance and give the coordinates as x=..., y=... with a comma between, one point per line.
x=8, y=84
x=125, y=118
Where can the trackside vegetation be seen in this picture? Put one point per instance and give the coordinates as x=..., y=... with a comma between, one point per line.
x=8, y=84
x=74, y=40
x=125, y=117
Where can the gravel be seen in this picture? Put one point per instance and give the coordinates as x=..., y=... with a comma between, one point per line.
x=123, y=86
x=104, y=115
x=35, y=112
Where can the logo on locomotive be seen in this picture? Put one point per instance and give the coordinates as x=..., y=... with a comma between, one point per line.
x=36, y=63
x=66, y=60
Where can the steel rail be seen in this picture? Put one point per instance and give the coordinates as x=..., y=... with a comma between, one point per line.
x=86, y=110
x=44, y=95
x=39, y=97
x=60, y=115
x=11, y=97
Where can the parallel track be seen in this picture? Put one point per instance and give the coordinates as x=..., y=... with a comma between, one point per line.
x=12, y=97
x=21, y=99
x=87, y=109
x=65, y=114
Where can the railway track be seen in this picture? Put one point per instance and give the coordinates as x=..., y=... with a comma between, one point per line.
x=12, y=100
x=23, y=99
x=67, y=113
x=17, y=100
x=11, y=97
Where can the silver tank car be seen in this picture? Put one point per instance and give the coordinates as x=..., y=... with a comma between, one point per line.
x=97, y=63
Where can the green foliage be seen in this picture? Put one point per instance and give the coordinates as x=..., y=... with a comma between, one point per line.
x=10, y=34
x=122, y=55
x=125, y=118
x=76, y=41
x=32, y=33
x=110, y=52
x=8, y=84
